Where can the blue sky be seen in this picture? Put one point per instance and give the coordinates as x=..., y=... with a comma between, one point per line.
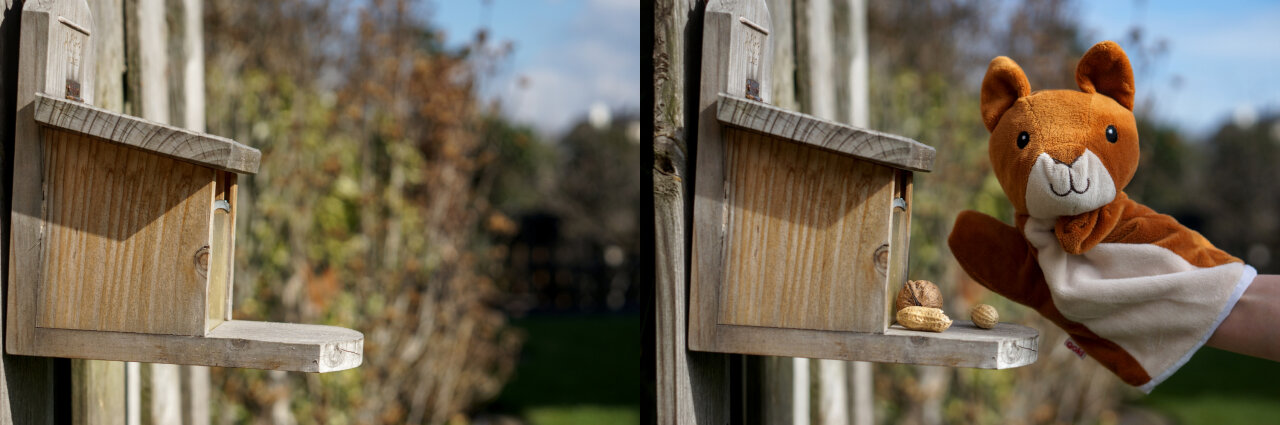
x=571, y=54
x=1226, y=55
x=1223, y=54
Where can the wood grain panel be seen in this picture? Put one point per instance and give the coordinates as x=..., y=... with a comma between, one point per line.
x=804, y=228
x=126, y=228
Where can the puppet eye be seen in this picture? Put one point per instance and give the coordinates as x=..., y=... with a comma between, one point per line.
x=1024, y=138
x=1112, y=135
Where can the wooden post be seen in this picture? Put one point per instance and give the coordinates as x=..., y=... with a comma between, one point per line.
x=856, y=56
x=691, y=387
x=147, y=86
x=97, y=395
x=187, y=76
x=27, y=384
x=835, y=87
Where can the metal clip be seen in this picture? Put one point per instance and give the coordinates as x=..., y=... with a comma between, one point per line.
x=73, y=91
x=900, y=203
x=753, y=90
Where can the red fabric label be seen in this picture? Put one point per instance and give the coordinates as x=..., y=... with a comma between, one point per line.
x=1071, y=345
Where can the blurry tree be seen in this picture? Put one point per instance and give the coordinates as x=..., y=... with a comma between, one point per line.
x=371, y=209
x=1168, y=170
x=1238, y=190
x=598, y=188
x=524, y=173
x=598, y=182
x=576, y=246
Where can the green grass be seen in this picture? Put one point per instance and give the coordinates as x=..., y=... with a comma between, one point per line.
x=1220, y=388
x=576, y=370
x=588, y=414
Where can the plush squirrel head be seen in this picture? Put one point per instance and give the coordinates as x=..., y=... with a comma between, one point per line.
x=1062, y=152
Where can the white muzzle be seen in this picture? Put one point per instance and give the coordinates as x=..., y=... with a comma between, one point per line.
x=1055, y=189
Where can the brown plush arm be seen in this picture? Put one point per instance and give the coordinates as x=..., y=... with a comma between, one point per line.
x=1141, y=225
x=997, y=256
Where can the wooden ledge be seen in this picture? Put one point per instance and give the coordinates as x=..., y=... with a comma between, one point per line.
x=234, y=343
x=963, y=345
x=882, y=148
x=182, y=144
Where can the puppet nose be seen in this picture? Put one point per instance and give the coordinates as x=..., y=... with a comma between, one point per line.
x=1065, y=178
x=1065, y=154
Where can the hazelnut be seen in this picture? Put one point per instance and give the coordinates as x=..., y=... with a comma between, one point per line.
x=984, y=316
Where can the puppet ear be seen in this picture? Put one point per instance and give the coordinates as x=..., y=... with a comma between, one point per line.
x=1105, y=69
x=1004, y=84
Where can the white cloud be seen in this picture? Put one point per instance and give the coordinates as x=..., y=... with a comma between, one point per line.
x=623, y=5
x=597, y=60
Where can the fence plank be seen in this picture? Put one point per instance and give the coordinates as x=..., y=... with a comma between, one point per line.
x=97, y=394
x=165, y=83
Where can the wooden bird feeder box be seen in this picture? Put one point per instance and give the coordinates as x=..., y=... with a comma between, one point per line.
x=801, y=225
x=123, y=229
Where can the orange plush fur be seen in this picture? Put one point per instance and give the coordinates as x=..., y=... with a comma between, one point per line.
x=1063, y=124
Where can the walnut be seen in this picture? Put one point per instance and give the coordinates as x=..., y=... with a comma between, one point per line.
x=919, y=292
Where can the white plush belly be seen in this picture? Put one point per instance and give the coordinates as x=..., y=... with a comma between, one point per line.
x=1145, y=298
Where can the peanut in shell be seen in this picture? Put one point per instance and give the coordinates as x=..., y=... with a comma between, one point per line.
x=923, y=319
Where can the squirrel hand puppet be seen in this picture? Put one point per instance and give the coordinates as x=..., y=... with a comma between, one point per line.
x=1133, y=288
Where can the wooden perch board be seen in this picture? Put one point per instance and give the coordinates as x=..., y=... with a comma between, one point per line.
x=235, y=343
x=881, y=148
x=178, y=143
x=963, y=345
